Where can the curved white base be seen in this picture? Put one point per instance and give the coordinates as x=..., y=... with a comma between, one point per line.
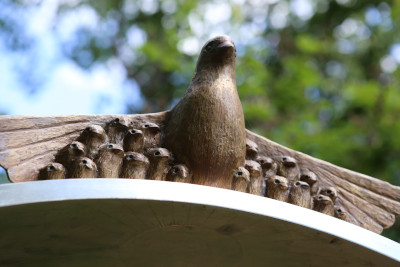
x=106, y=222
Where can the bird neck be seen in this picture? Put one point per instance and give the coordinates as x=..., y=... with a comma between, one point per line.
x=214, y=72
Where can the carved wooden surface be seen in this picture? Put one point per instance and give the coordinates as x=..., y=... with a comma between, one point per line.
x=29, y=146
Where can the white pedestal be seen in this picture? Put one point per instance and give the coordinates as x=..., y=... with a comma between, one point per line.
x=120, y=222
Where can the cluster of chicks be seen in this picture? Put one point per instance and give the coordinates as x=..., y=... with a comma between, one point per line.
x=282, y=179
x=132, y=150
x=121, y=149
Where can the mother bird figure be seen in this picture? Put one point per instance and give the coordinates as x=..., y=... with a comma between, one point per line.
x=206, y=128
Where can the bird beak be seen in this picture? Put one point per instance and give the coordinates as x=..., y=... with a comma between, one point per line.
x=119, y=152
x=226, y=44
x=283, y=185
x=306, y=186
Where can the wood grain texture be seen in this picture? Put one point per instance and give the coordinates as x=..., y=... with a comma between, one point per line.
x=369, y=202
x=29, y=143
x=26, y=149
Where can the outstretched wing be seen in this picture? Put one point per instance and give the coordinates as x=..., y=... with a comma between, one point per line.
x=369, y=202
x=29, y=143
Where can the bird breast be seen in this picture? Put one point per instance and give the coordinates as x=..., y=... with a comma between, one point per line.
x=207, y=132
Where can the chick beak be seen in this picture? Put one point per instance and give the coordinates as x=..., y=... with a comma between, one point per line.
x=283, y=185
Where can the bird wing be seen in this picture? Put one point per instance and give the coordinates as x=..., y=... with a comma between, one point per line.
x=369, y=202
x=29, y=143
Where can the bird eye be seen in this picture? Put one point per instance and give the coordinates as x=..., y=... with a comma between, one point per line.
x=84, y=161
x=319, y=198
x=157, y=153
x=51, y=168
x=130, y=157
x=110, y=146
x=208, y=47
x=146, y=126
x=116, y=120
x=240, y=173
x=328, y=191
x=297, y=183
x=262, y=161
x=276, y=181
x=339, y=210
x=73, y=145
x=176, y=170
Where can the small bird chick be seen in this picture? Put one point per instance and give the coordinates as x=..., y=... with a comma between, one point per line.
x=324, y=204
x=277, y=188
x=251, y=150
x=93, y=137
x=310, y=178
x=256, y=179
x=53, y=171
x=159, y=163
x=74, y=150
x=152, y=134
x=109, y=160
x=330, y=192
x=134, y=166
x=82, y=168
x=287, y=167
x=340, y=212
x=134, y=141
x=300, y=194
x=179, y=173
x=116, y=130
x=240, y=180
x=268, y=165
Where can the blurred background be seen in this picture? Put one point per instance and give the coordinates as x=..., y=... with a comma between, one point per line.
x=318, y=76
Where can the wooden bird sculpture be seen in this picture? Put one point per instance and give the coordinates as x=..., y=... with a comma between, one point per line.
x=205, y=132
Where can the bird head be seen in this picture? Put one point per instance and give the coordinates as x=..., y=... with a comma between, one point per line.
x=53, y=167
x=340, y=212
x=135, y=133
x=302, y=185
x=251, y=148
x=325, y=200
x=279, y=182
x=253, y=167
x=76, y=148
x=120, y=123
x=266, y=162
x=308, y=177
x=241, y=173
x=113, y=148
x=87, y=163
x=288, y=161
x=330, y=192
x=137, y=158
x=150, y=127
x=180, y=171
x=158, y=154
x=217, y=51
